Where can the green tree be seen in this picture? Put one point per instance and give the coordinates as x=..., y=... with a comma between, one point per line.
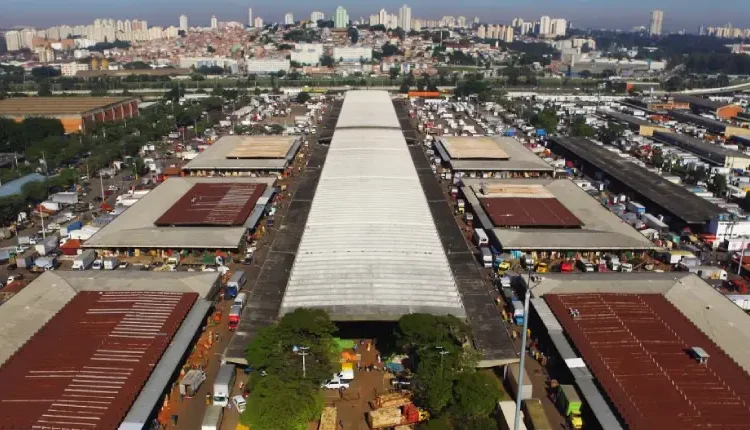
x=719, y=184
x=433, y=392
x=657, y=159
x=546, y=119
x=578, y=127
x=394, y=72
x=476, y=395
x=303, y=97
x=611, y=133
x=10, y=207
x=353, y=34
x=35, y=191
x=44, y=90
x=326, y=61
x=404, y=88
x=279, y=404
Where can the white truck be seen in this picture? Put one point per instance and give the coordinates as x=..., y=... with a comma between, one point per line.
x=111, y=263
x=191, y=382
x=84, y=260
x=212, y=417
x=223, y=385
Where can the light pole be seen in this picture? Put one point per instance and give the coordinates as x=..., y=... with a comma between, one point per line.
x=302, y=350
x=442, y=352
x=527, y=298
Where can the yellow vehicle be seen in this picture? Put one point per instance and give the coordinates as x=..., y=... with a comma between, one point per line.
x=542, y=268
x=503, y=267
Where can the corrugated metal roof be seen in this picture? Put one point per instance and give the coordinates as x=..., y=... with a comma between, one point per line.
x=227, y=204
x=86, y=366
x=637, y=347
x=46, y=106
x=532, y=212
x=368, y=109
x=370, y=247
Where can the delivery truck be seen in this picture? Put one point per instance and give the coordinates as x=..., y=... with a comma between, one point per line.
x=191, y=382
x=48, y=245
x=518, y=313
x=507, y=416
x=234, y=317
x=569, y=403
x=536, y=418
x=84, y=260
x=235, y=284
x=223, y=385
x=511, y=378
x=212, y=417
x=111, y=263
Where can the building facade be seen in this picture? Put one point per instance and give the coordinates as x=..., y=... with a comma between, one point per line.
x=657, y=16
x=350, y=54
x=267, y=65
x=341, y=18
x=404, y=18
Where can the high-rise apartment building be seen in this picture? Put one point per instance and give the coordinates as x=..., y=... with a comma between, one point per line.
x=545, y=26
x=340, y=18
x=481, y=32
x=288, y=19
x=214, y=22
x=250, y=17
x=184, y=23
x=404, y=18
x=258, y=22
x=317, y=16
x=383, y=17
x=13, y=41
x=461, y=21
x=558, y=27
x=657, y=16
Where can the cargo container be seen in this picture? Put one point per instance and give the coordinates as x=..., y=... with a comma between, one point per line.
x=223, y=385
x=569, y=403
x=235, y=283
x=111, y=263
x=46, y=262
x=51, y=206
x=507, y=416
x=26, y=260
x=191, y=382
x=511, y=378
x=84, y=260
x=70, y=227
x=485, y=256
x=536, y=418
x=48, y=245
x=518, y=313
x=212, y=418
x=635, y=207
x=234, y=317
x=654, y=223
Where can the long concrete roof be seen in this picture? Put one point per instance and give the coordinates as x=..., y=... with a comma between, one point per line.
x=370, y=250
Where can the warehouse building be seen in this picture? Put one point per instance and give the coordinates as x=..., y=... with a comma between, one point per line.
x=499, y=157
x=703, y=105
x=370, y=249
x=639, y=125
x=550, y=218
x=188, y=215
x=67, y=330
x=666, y=350
x=712, y=125
x=680, y=207
x=369, y=190
x=709, y=152
x=655, y=105
x=245, y=156
x=75, y=113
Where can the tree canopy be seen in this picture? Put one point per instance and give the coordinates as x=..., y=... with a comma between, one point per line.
x=286, y=398
x=546, y=119
x=578, y=127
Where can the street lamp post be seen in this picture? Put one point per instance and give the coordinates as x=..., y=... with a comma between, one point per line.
x=442, y=352
x=302, y=350
x=527, y=298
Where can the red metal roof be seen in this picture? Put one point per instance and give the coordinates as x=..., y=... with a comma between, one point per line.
x=637, y=346
x=529, y=212
x=86, y=366
x=225, y=204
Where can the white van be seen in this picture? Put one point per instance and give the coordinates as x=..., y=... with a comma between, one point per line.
x=480, y=237
x=240, y=300
x=237, y=281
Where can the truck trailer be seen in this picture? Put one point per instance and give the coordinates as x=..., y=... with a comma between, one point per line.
x=84, y=260
x=511, y=377
x=223, y=385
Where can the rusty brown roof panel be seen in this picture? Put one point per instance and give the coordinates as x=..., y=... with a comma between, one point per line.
x=529, y=212
x=637, y=347
x=222, y=204
x=86, y=366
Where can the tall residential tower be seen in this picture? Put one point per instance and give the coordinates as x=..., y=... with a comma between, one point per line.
x=657, y=16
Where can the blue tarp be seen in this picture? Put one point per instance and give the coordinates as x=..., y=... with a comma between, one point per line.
x=395, y=367
x=541, y=132
x=14, y=187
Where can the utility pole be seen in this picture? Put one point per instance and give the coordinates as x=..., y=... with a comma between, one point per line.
x=101, y=184
x=302, y=350
x=526, y=300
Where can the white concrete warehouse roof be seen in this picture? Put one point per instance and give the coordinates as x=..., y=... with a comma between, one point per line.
x=370, y=250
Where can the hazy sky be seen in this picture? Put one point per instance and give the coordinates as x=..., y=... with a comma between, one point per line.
x=678, y=14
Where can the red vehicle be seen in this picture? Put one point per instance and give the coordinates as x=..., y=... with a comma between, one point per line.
x=567, y=266
x=234, y=317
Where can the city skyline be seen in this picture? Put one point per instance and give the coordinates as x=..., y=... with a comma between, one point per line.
x=584, y=14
